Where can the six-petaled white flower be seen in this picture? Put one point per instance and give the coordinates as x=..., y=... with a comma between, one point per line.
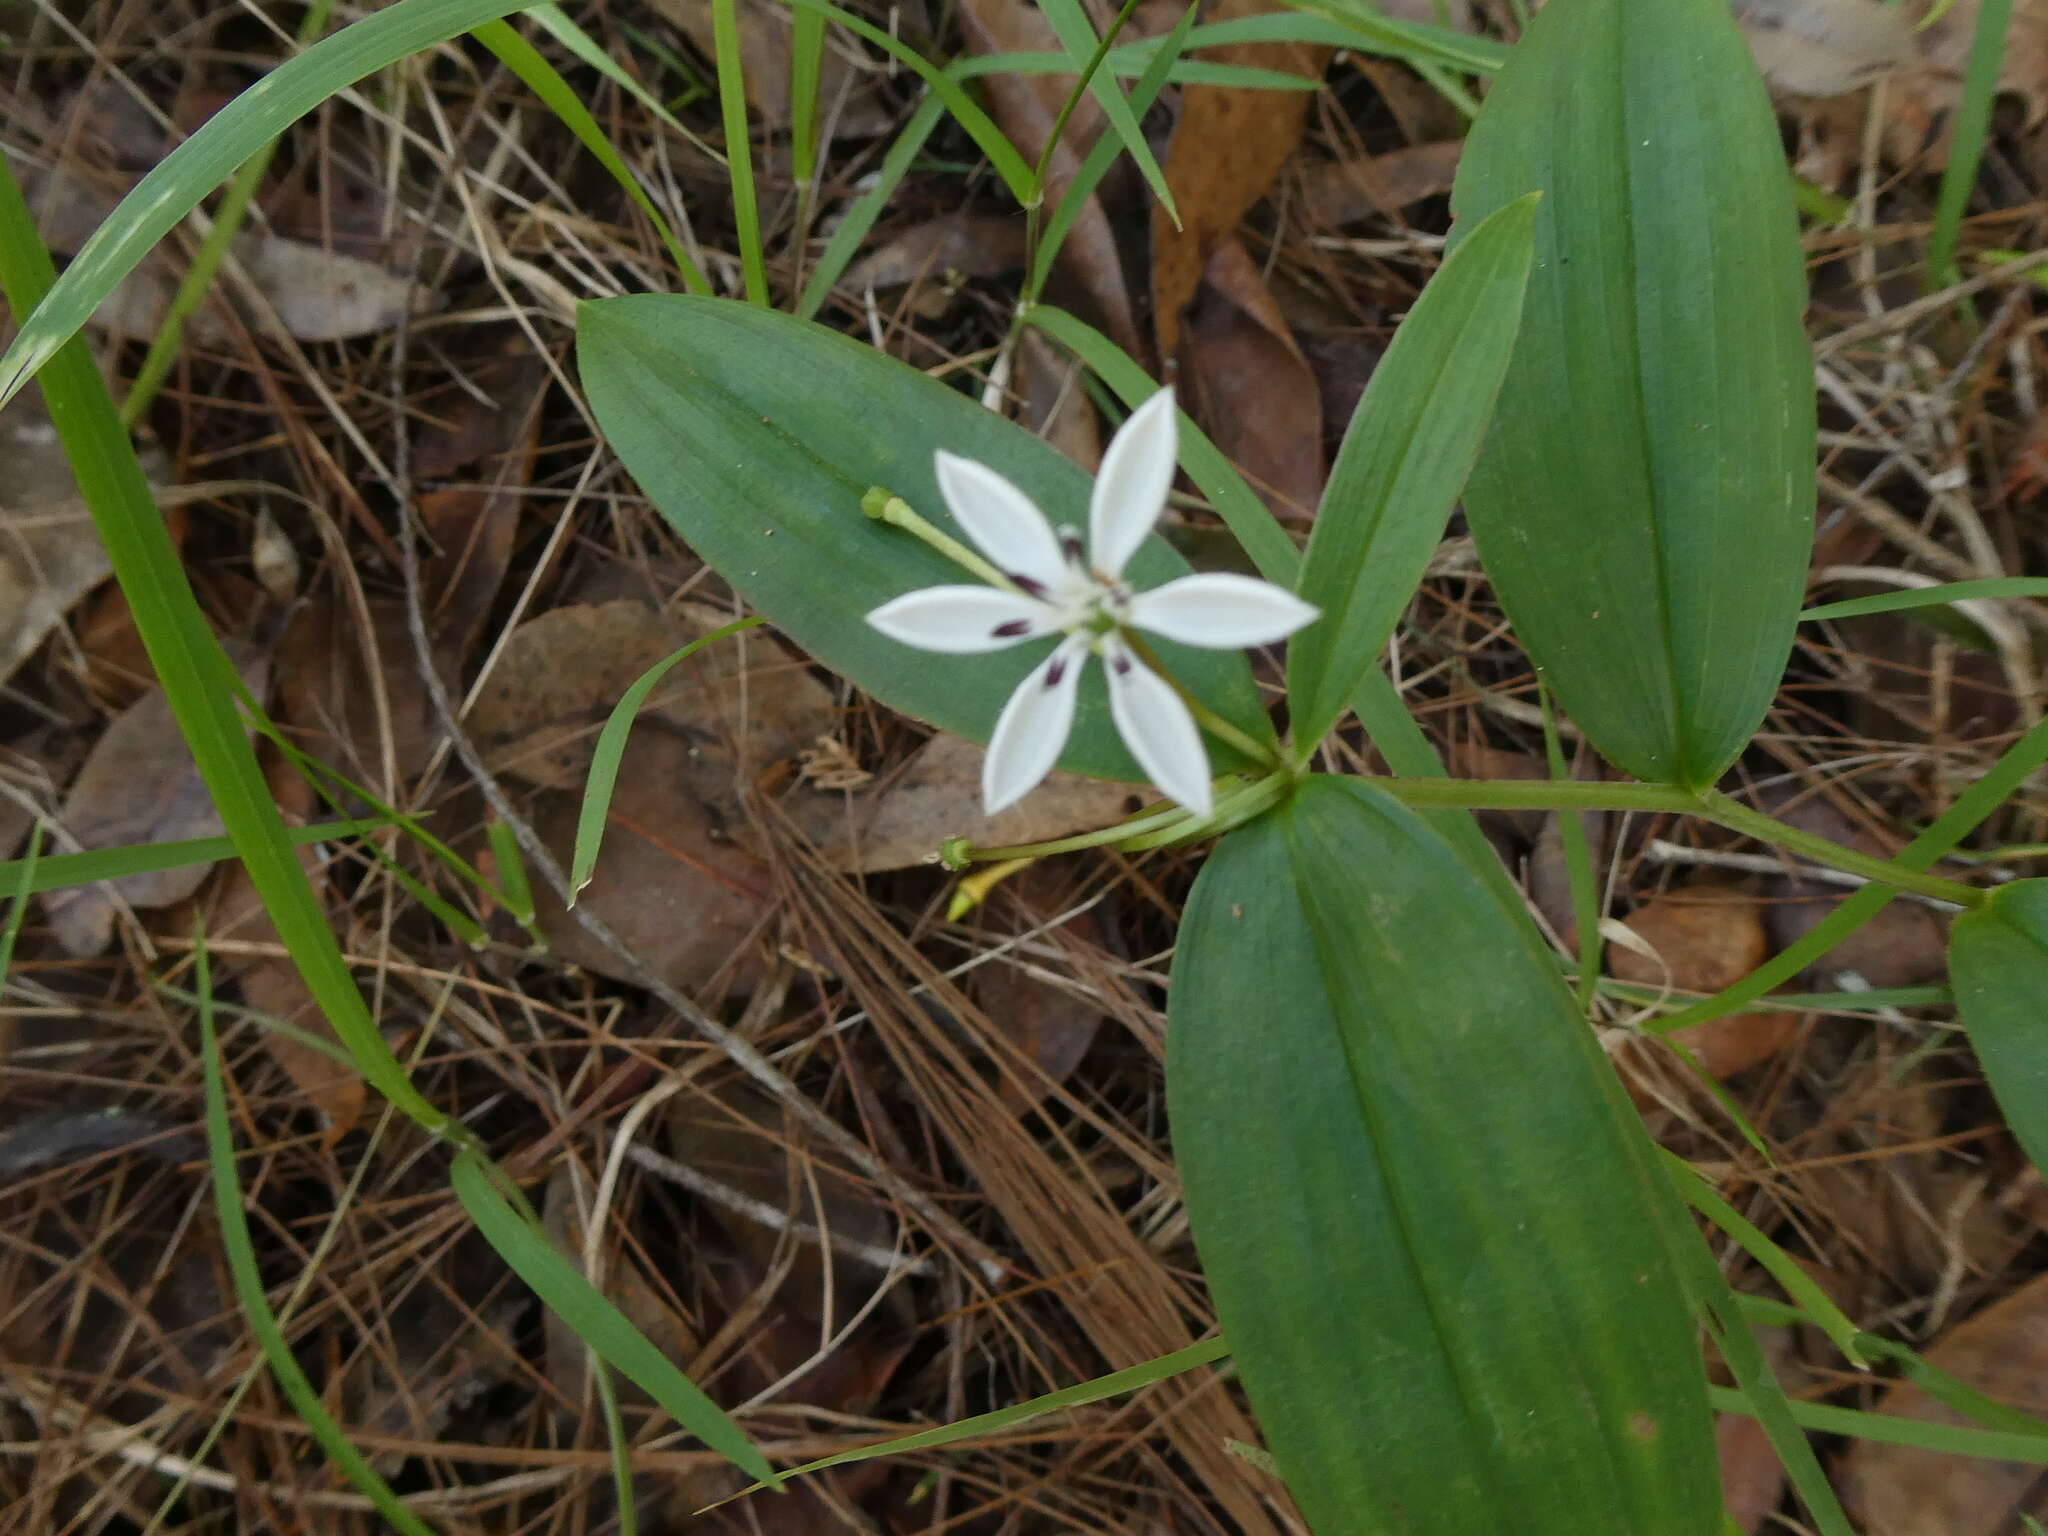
x=1055, y=585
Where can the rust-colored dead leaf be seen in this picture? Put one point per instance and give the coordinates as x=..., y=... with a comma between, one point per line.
x=687, y=903
x=936, y=794
x=138, y=785
x=1227, y=148
x=1752, y=1476
x=1897, y=1490
x=1709, y=938
x=1248, y=386
x=1025, y=107
x=1342, y=192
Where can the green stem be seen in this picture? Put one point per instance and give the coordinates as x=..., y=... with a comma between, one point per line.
x=885, y=506
x=1738, y=817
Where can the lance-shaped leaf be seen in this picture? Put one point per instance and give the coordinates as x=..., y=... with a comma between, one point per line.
x=1644, y=504
x=1410, y=445
x=1427, y=1217
x=1998, y=965
x=757, y=436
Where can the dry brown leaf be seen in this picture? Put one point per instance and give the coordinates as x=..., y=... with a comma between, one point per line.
x=936, y=794
x=689, y=905
x=974, y=244
x=743, y=705
x=1248, y=386
x=849, y=96
x=1709, y=937
x=50, y=553
x=1056, y=404
x=1945, y=49
x=1904, y=945
x=324, y=693
x=1752, y=1476
x=1051, y=1024
x=1897, y=1490
x=1025, y=107
x=1342, y=192
x=1227, y=148
x=1825, y=47
x=138, y=785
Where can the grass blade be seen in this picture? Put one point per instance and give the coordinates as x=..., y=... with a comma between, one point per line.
x=611, y=747
x=1972, y=129
x=739, y=148
x=54, y=872
x=806, y=71
x=860, y=217
x=1930, y=597
x=546, y=82
x=175, y=186
x=24, y=881
x=198, y=680
x=248, y=1278
x=596, y=1321
x=1077, y=35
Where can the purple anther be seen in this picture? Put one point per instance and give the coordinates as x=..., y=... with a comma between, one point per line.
x=1121, y=663
x=1011, y=629
x=1055, y=671
x=1029, y=586
x=1070, y=541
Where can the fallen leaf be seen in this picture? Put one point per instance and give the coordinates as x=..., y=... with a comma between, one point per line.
x=1905, y=945
x=1342, y=192
x=1052, y=1024
x=973, y=244
x=936, y=794
x=1945, y=48
x=849, y=94
x=1227, y=148
x=50, y=553
x=1248, y=386
x=1897, y=1490
x=325, y=664
x=1056, y=403
x=1752, y=1476
x=1025, y=107
x=1709, y=937
x=138, y=785
x=1825, y=47
x=690, y=906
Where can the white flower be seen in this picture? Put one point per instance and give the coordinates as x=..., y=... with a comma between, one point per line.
x=1055, y=587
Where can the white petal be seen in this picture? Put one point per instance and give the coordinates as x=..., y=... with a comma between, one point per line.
x=1001, y=519
x=1221, y=612
x=1033, y=728
x=1130, y=491
x=1158, y=729
x=963, y=621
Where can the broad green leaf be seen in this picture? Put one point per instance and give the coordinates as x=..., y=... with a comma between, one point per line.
x=1644, y=505
x=1998, y=966
x=1410, y=445
x=175, y=186
x=757, y=435
x=1429, y=1221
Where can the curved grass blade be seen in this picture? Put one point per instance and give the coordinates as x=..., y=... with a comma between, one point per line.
x=1644, y=504
x=175, y=186
x=1356, y=24
x=595, y=1320
x=611, y=748
x=1969, y=134
x=1929, y=597
x=555, y=93
x=198, y=680
x=23, y=881
x=1077, y=35
x=1411, y=442
x=56, y=871
x=248, y=1278
x=739, y=148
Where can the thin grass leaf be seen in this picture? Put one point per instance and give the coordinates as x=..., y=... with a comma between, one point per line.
x=58, y=871
x=1358, y=25
x=555, y=93
x=198, y=281
x=739, y=148
x=24, y=883
x=860, y=216
x=1971, y=131
x=248, y=1278
x=177, y=184
x=2019, y=762
x=556, y=24
x=1101, y=156
x=1578, y=865
x=611, y=748
x=979, y=126
x=1891, y=1429
x=511, y=866
x=1130, y=1379
x=806, y=70
x=1930, y=597
x=595, y=1320
x=1077, y=35
x=198, y=681
x=1130, y=61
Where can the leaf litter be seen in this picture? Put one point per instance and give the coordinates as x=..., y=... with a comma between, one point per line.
x=768, y=856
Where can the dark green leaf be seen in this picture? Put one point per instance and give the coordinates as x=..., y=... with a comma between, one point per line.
x=1998, y=966
x=1428, y=1218
x=757, y=435
x=1410, y=445
x=1644, y=505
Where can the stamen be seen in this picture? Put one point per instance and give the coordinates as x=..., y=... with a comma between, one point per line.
x=1070, y=541
x=1027, y=585
x=1055, y=671
x=1011, y=629
x=1121, y=662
